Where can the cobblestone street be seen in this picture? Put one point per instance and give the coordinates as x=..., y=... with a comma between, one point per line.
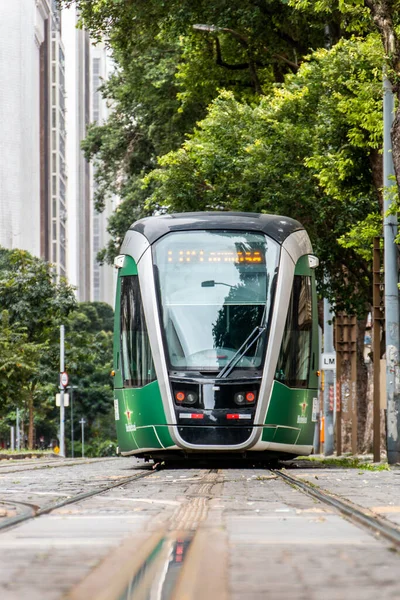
x=265, y=538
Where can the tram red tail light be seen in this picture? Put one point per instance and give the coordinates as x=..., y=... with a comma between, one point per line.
x=180, y=396
x=238, y=416
x=250, y=397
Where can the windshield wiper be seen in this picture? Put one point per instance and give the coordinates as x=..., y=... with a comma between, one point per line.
x=247, y=344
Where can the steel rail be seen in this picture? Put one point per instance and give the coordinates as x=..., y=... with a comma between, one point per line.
x=50, y=465
x=27, y=515
x=374, y=524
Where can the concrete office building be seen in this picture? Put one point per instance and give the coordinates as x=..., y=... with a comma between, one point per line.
x=46, y=185
x=32, y=130
x=23, y=30
x=57, y=179
x=77, y=117
x=103, y=285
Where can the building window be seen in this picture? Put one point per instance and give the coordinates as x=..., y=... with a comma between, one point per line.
x=137, y=360
x=294, y=357
x=96, y=82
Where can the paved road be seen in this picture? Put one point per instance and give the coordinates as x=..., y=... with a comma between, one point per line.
x=261, y=538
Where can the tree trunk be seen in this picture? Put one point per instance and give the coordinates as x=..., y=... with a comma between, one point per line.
x=347, y=390
x=362, y=388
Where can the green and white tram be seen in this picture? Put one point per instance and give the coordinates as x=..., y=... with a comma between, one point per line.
x=216, y=342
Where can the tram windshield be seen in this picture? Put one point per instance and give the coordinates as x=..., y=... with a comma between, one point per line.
x=215, y=289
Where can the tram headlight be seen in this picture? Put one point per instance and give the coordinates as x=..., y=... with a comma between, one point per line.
x=240, y=398
x=191, y=398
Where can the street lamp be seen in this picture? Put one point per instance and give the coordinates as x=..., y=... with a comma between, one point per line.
x=72, y=388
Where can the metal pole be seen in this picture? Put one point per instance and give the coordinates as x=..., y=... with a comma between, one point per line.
x=18, y=432
x=62, y=410
x=12, y=437
x=391, y=289
x=72, y=421
x=353, y=389
x=376, y=269
x=82, y=422
x=328, y=380
x=339, y=355
x=317, y=435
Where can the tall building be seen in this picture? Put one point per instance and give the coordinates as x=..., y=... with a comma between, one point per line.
x=57, y=183
x=23, y=31
x=50, y=76
x=103, y=285
x=32, y=130
x=77, y=117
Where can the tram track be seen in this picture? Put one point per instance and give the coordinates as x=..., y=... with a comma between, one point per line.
x=33, y=511
x=173, y=558
x=375, y=524
x=32, y=466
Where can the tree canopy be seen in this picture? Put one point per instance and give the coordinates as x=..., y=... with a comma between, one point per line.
x=34, y=306
x=267, y=105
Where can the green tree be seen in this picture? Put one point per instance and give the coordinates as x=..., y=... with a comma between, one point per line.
x=34, y=305
x=170, y=69
x=307, y=151
x=385, y=16
x=89, y=355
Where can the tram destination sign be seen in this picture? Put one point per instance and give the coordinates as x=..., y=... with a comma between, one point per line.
x=328, y=361
x=195, y=255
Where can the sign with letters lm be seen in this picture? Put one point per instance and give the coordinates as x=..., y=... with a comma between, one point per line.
x=328, y=361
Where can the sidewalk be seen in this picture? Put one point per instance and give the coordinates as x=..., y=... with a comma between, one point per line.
x=375, y=487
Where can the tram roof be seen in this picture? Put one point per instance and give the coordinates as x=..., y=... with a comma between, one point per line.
x=275, y=226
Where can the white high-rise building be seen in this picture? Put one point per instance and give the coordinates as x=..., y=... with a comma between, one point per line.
x=58, y=214
x=77, y=117
x=23, y=31
x=50, y=76
x=103, y=287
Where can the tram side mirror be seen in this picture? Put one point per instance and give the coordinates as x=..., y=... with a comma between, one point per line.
x=208, y=283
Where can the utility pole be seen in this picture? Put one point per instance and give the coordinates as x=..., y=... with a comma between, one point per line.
x=377, y=325
x=18, y=432
x=72, y=388
x=329, y=389
x=391, y=289
x=62, y=388
x=82, y=422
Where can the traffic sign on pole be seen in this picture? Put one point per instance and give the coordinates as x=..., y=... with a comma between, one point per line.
x=64, y=379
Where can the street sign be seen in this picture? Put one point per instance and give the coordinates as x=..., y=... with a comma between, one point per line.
x=328, y=361
x=58, y=399
x=64, y=379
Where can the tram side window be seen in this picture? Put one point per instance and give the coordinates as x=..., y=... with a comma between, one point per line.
x=294, y=357
x=137, y=361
